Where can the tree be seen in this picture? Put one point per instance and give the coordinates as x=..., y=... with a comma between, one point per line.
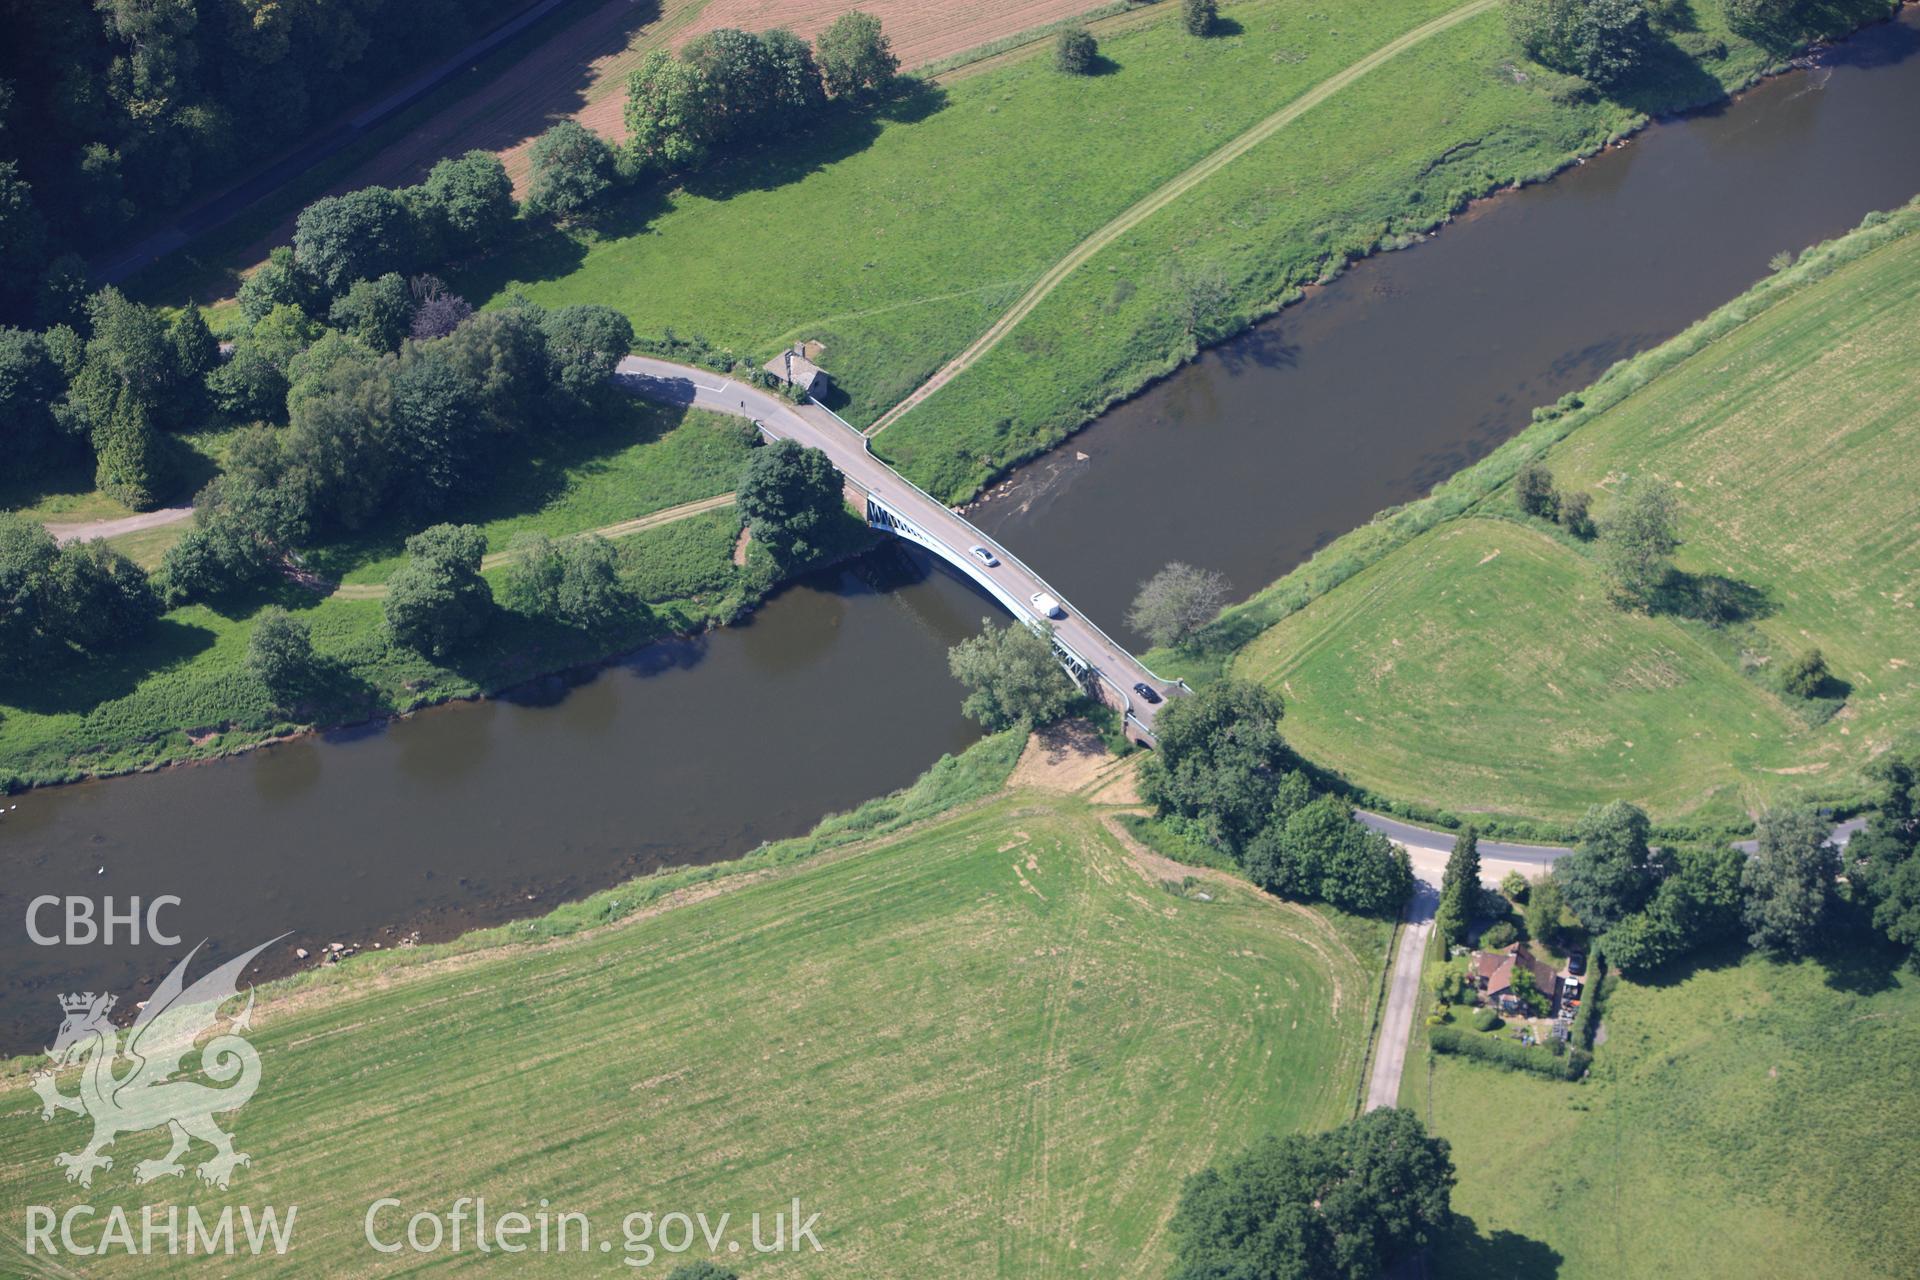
x=741, y=89
x=358, y=236
x=437, y=310
x=1545, y=902
x=1220, y=754
x=584, y=343
x=797, y=91
x=379, y=313
x=1074, y=51
x=1176, y=602
x=279, y=281
x=1881, y=859
x=1697, y=905
x=280, y=654
x=30, y=382
x=1806, y=675
x=1788, y=883
x=1527, y=992
x=466, y=204
x=572, y=168
x=1612, y=871
x=702, y=1270
x=1766, y=21
x=1344, y=1203
x=1636, y=540
x=1603, y=41
x=96, y=599
x=1515, y=887
x=591, y=594
x=1011, y=677
x=241, y=530
x=533, y=575
x=668, y=130
x=855, y=56
x=23, y=237
x=27, y=553
x=1199, y=16
x=438, y=600
x=436, y=422
x=789, y=495
x=1460, y=886
x=1533, y=491
x=1575, y=514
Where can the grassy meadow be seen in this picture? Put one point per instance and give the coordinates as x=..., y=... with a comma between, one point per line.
x=1741, y=1120
x=989, y=1043
x=184, y=693
x=896, y=239
x=1475, y=665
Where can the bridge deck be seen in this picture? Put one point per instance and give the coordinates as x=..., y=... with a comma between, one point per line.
x=1116, y=670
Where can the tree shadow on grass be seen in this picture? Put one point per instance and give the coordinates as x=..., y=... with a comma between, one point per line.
x=1668, y=79
x=1711, y=598
x=1859, y=959
x=73, y=684
x=1498, y=1254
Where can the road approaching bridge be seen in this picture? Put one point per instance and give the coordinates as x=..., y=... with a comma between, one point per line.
x=897, y=505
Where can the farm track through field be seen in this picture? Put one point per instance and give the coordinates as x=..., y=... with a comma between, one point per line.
x=378, y=590
x=1166, y=195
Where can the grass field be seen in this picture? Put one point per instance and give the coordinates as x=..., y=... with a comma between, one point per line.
x=910, y=234
x=1476, y=666
x=184, y=692
x=1742, y=1121
x=985, y=1045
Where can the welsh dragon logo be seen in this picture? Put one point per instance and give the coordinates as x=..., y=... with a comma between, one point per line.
x=144, y=1096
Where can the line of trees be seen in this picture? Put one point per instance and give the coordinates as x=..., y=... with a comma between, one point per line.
x=1650, y=906
x=57, y=601
x=1223, y=772
x=113, y=111
x=729, y=86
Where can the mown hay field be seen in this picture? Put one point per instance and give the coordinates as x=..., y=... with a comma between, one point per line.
x=1479, y=665
x=986, y=1045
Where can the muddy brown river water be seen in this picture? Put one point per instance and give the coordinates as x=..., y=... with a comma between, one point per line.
x=1408, y=367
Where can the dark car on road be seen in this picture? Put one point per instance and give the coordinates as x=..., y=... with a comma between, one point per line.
x=1576, y=964
x=1146, y=691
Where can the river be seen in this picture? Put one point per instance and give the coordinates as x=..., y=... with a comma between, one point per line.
x=1409, y=366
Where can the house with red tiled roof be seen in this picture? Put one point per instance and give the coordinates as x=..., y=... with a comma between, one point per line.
x=1491, y=973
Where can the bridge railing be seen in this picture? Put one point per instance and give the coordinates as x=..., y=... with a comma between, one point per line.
x=866, y=443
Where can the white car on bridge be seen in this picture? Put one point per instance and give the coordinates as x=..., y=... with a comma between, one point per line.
x=1047, y=605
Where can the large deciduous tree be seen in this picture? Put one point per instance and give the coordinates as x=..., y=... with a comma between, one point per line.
x=572, y=168
x=1788, y=884
x=1011, y=677
x=280, y=654
x=1343, y=1204
x=855, y=56
x=438, y=600
x=1637, y=540
x=1220, y=756
x=1176, y=602
x=668, y=129
x=1612, y=871
x=1603, y=41
x=789, y=494
x=358, y=236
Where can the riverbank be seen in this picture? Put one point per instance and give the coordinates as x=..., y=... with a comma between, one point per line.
x=1456, y=119
x=1400, y=617
x=183, y=693
x=1158, y=1027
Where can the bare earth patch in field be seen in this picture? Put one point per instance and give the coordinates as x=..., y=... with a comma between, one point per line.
x=1061, y=757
